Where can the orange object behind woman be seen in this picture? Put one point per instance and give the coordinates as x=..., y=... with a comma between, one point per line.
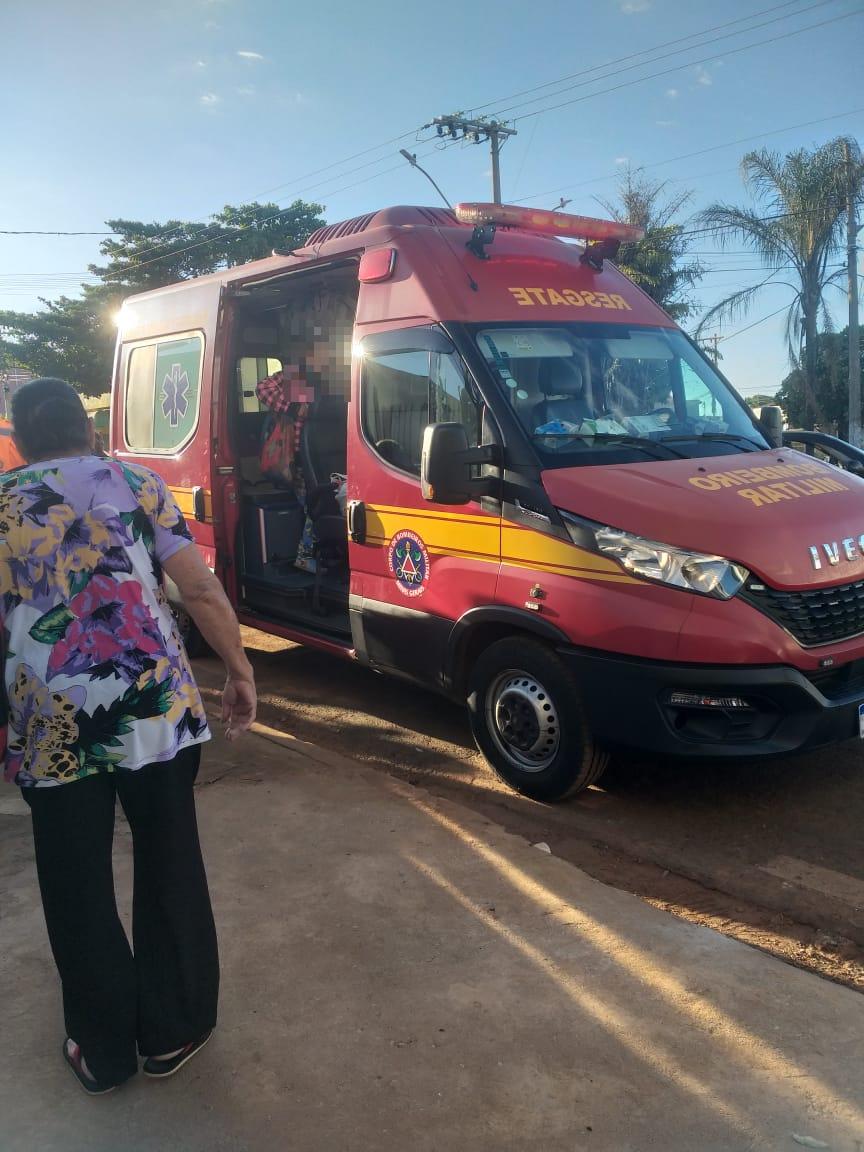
x=10, y=457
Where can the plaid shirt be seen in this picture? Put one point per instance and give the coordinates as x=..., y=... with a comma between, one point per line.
x=279, y=391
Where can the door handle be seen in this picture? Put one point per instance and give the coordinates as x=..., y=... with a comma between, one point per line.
x=357, y=521
x=199, y=504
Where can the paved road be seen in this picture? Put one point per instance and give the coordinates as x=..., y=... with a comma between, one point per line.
x=769, y=853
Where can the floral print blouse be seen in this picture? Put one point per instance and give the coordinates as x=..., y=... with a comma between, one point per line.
x=96, y=677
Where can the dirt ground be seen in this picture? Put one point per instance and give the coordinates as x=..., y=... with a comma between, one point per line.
x=768, y=853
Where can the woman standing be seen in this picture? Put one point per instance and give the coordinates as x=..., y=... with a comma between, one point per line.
x=102, y=705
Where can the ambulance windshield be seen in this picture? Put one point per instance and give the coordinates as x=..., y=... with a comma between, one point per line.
x=581, y=390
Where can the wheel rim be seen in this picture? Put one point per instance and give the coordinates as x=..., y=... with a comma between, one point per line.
x=523, y=721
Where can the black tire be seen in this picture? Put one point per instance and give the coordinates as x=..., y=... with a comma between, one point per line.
x=528, y=720
x=193, y=641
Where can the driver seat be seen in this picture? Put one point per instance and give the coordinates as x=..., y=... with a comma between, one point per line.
x=323, y=451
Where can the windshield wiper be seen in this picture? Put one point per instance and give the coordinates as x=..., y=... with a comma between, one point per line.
x=643, y=443
x=723, y=436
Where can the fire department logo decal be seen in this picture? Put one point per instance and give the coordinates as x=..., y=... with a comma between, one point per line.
x=409, y=563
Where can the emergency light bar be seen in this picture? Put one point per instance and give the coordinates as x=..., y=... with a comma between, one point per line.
x=547, y=223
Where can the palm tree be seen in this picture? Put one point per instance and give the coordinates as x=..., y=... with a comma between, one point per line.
x=797, y=229
x=657, y=262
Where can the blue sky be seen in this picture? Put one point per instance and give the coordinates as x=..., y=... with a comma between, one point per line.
x=173, y=109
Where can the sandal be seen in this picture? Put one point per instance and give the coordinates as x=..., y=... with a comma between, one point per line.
x=159, y=1069
x=72, y=1056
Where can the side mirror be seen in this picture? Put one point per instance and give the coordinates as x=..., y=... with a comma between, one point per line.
x=445, y=465
x=771, y=418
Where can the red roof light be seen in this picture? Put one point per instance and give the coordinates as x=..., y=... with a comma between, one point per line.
x=548, y=223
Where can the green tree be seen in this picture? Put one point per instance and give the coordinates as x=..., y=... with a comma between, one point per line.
x=71, y=338
x=759, y=398
x=74, y=337
x=795, y=230
x=831, y=391
x=145, y=256
x=658, y=262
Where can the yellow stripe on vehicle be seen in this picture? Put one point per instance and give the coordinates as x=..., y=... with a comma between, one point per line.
x=490, y=540
x=440, y=532
x=526, y=547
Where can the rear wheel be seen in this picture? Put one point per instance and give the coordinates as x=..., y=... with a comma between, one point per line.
x=529, y=723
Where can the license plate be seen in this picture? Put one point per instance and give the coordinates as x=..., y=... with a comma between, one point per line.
x=861, y=721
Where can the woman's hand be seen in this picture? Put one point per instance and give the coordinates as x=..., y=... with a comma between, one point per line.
x=239, y=704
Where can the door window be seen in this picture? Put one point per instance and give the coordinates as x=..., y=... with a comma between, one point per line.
x=452, y=397
x=405, y=391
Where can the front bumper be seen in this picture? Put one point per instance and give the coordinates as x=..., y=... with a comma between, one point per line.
x=628, y=702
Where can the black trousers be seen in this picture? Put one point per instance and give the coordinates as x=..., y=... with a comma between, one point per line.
x=118, y=1002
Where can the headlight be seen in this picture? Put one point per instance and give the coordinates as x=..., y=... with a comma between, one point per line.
x=695, y=571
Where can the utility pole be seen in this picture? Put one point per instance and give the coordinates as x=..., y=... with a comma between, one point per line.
x=855, y=431
x=715, y=340
x=495, y=131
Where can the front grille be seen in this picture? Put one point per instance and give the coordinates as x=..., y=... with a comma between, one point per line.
x=814, y=616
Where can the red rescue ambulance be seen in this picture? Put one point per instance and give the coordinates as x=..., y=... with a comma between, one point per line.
x=511, y=478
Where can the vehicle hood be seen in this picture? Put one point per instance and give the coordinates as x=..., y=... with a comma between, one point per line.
x=765, y=510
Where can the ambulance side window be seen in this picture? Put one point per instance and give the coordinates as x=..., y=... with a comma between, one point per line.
x=140, y=377
x=162, y=393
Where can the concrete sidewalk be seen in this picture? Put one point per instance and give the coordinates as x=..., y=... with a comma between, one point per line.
x=399, y=974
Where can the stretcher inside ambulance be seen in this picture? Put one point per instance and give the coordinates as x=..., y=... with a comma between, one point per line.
x=496, y=468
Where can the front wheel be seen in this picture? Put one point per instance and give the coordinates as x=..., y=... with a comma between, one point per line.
x=528, y=721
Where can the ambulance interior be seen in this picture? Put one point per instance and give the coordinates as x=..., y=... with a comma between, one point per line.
x=293, y=545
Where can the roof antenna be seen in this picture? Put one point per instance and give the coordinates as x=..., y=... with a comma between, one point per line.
x=412, y=160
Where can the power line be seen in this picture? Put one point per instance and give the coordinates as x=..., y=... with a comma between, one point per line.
x=157, y=246
x=338, y=163
x=755, y=324
x=375, y=176
x=676, y=68
x=37, y=232
x=646, y=52
x=160, y=240
x=699, y=152
x=245, y=228
x=163, y=239
x=656, y=59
